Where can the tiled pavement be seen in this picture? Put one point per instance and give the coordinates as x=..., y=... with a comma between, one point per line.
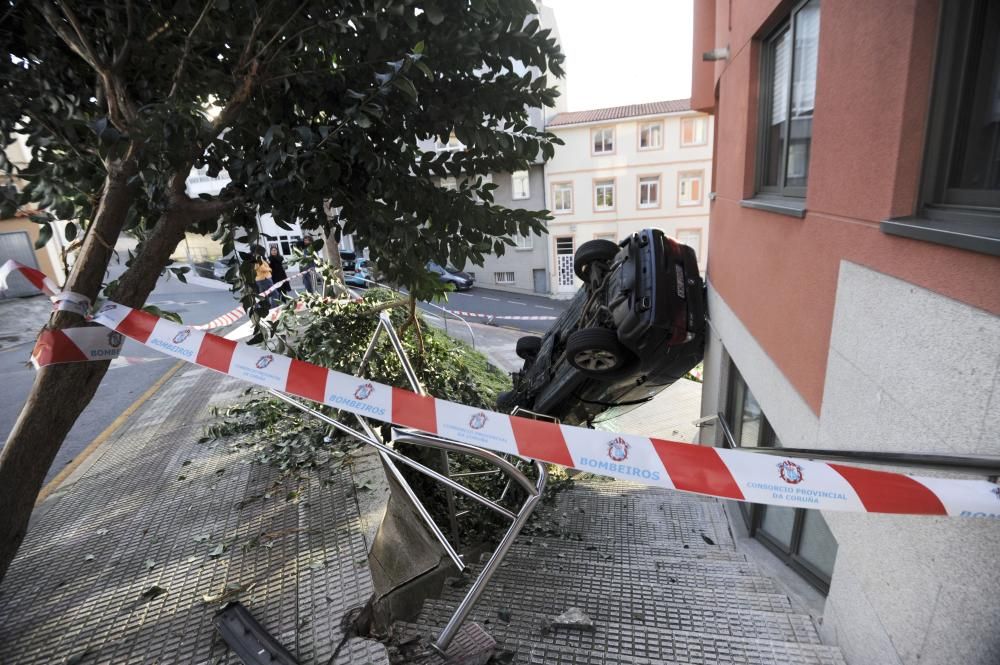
x=118, y=562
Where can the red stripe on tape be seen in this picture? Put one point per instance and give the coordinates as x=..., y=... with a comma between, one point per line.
x=138, y=325
x=307, y=380
x=216, y=353
x=882, y=492
x=54, y=346
x=695, y=468
x=541, y=440
x=413, y=410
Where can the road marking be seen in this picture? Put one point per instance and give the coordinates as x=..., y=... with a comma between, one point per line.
x=493, y=299
x=464, y=295
x=79, y=459
x=543, y=307
x=514, y=302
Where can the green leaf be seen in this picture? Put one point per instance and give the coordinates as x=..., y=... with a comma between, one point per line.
x=70, y=231
x=153, y=592
x=44, y=235
x=406, y=86
x=216, y=551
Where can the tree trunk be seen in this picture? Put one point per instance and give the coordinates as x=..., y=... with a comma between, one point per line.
x=61, y=392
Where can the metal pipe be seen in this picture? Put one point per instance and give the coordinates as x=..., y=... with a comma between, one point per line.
x=420, y=438
x=397, y=345
x=462, y=611
x=371, y=349
x=371, y=439
x=455, y=556
x=987, y=466
x=475, y=473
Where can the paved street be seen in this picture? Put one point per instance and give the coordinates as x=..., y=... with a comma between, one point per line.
x=129, y=377
x=501, y=303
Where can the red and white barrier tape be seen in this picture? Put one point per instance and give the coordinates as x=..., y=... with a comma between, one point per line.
x=501, y=317
x=727, y=474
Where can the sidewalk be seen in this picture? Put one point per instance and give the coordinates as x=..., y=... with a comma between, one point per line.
x=118, y=561
x=21, y=319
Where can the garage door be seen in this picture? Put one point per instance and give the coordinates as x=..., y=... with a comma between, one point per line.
x=17, y=245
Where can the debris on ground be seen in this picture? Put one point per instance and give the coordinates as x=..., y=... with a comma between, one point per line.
x=574, y=618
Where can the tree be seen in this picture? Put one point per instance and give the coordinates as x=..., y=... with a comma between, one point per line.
x=310, y=105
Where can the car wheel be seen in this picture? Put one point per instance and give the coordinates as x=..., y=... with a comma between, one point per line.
x=591, y=251
x=597, y=352
x=527, y=347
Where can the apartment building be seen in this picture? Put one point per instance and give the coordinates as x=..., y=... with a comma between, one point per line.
x=524, y=267
x=623, y=169
x=854, y=291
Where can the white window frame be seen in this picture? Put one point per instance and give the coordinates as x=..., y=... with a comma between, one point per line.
x=505, y=273
x=700, y=121
x=607, y=135
x=450, y=183
x=562, y=187
x=523, y=243
x=649, y=180
x=648, y=126
x=684, y=178
x=523, y=177
x=604, y=184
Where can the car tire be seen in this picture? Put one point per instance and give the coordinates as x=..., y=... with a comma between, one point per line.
x=527, y=347
x=596, y=352
x=591, y=251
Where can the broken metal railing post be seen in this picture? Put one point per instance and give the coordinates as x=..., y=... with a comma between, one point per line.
x=371, y=437
x=975, y=465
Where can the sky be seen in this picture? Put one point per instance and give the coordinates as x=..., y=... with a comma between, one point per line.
x=625, y=51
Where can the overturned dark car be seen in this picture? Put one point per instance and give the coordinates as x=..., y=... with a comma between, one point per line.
x=636, y=327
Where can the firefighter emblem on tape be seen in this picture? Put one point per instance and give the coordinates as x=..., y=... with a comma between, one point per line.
x=181, y=336
x=265, y=361
x=115, y=339
x=790, y=472
x=478, y=421
x=107, y=308
x=618, y=449
x=364, y=391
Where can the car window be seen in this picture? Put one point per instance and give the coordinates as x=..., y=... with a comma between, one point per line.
x=433, y=267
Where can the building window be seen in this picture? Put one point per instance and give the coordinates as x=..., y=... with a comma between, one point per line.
x=604, y=194
x=449, y=184
x=503, y=277
x=694, y=131
x=649, y=191
x=603, y=140
x=799, y=536
x=523, y=242
x=788, y=93
x=562, y=197
x=960, y=193
x=691, y=238
x=285, y=244
x=606, y=236
x=650, y=135
x=519, y=186
x=689, y=185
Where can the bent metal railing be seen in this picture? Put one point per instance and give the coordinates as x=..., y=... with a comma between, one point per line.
x=976, y=465
x=369, y=435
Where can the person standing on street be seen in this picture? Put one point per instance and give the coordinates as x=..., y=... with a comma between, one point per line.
x=262, y=273
x=309, y=266
x=278, y=274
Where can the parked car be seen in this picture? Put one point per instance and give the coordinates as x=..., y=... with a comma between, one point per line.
x=461, y=273
x=361, y=274
x=460, y=282
x=634, y=328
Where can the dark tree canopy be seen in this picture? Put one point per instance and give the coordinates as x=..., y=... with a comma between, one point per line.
x=314, y=107
x=310, y=106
